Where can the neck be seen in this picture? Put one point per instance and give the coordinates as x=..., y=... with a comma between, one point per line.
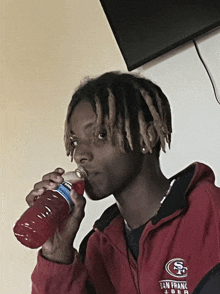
x=140, y=199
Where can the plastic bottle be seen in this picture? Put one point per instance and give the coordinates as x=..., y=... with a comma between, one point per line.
x=39, y=222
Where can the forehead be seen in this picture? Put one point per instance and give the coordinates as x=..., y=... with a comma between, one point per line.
x=83, y=116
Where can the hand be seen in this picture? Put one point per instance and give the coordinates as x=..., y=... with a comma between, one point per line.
x=59, y=248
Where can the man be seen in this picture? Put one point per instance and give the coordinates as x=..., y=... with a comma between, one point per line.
x=162, y=235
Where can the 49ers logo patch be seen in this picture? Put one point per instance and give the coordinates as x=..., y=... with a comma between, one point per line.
x=176, y=268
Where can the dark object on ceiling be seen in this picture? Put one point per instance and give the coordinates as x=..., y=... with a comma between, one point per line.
x=146, y=29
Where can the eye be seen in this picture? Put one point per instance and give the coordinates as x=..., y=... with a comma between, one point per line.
x=102, y=135
x=74, y=142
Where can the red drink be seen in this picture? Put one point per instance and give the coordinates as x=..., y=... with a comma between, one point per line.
x=39, y=222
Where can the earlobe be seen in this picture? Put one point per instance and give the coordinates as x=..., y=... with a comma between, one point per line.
x=144, y=150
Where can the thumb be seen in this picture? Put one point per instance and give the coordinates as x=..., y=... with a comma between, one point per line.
x=75, y=217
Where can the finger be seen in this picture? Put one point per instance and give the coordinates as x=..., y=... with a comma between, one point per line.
x=33, y=196
x=55, y=176
x=59, y=170
x=79, y=202
x=46, y=184
x=78, y=212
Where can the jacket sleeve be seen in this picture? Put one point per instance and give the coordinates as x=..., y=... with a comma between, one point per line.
x=52, y=278
x=210, y=284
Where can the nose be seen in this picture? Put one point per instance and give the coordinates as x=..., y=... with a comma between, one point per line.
x=82, y=153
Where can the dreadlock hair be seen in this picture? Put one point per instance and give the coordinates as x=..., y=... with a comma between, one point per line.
x=127, y=105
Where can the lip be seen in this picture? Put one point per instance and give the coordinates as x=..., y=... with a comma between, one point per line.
x=83, y=172
x=91, y=173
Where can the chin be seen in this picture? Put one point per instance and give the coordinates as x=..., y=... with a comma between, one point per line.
x=95, y=193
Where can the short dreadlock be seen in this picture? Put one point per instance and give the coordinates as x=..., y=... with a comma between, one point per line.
x=126, y=104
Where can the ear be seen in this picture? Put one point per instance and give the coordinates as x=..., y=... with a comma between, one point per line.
x=152, y=133
x=153, y=139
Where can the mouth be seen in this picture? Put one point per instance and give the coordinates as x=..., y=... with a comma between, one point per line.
x=81, y=172
x=90, y=174
x=87, y=172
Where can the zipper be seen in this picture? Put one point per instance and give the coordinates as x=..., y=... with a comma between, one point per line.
x=136, y=285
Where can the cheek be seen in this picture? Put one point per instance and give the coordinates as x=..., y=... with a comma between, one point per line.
x=124, y=170
x=115, y=173
x=124, y=165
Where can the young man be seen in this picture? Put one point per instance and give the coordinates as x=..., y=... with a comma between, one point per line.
x=162, y=235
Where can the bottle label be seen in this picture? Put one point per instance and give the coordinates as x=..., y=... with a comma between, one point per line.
x=64, y=190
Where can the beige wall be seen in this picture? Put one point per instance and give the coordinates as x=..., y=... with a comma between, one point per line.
x=47, y=48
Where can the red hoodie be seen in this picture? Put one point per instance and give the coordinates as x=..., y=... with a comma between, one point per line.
x=179, y=250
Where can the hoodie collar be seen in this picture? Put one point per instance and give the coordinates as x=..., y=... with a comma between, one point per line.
x=176, y=199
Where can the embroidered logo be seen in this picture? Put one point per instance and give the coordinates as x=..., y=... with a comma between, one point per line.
x=176, y=268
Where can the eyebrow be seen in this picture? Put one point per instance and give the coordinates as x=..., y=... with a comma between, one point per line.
x=85, y=127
